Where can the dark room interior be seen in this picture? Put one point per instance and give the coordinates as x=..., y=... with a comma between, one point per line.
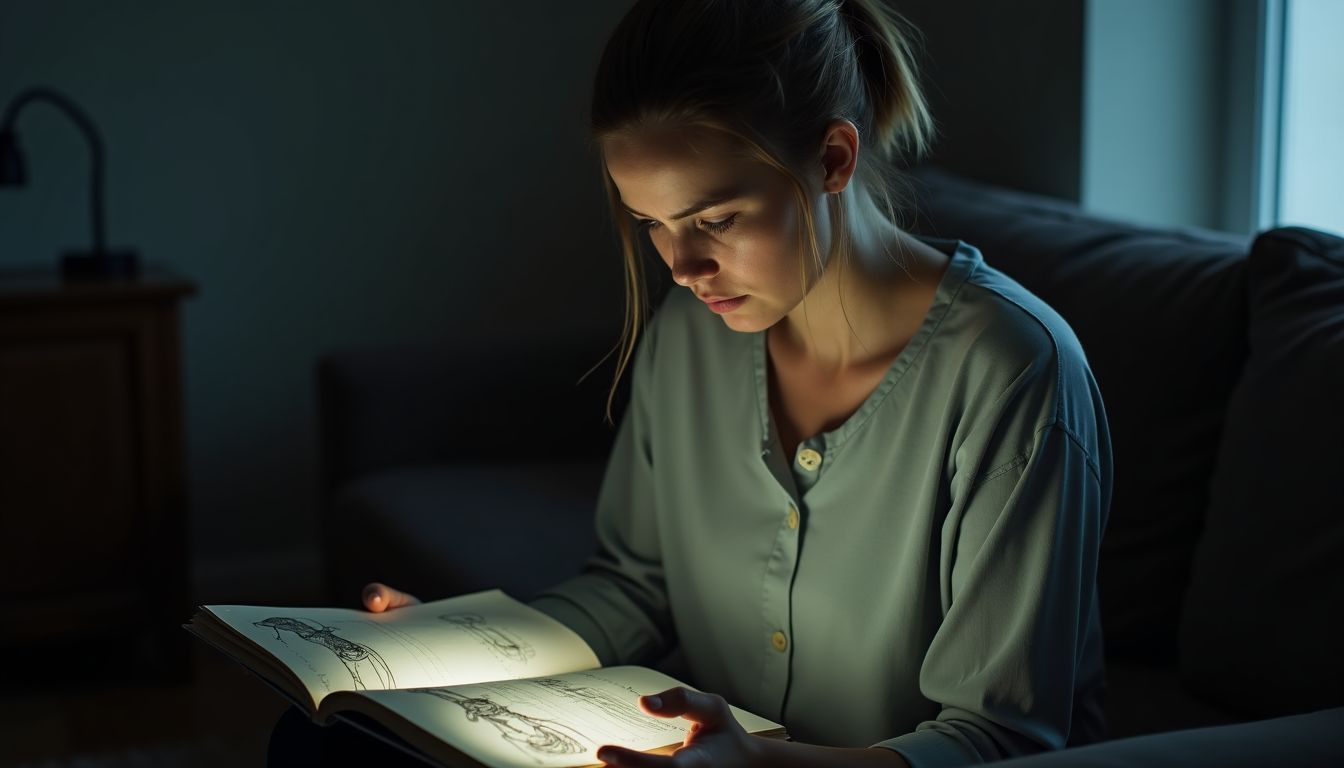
x=300, y=296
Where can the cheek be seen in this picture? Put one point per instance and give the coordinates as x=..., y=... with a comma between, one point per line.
x=778, y=236
x=770, y=249
x=768, y=257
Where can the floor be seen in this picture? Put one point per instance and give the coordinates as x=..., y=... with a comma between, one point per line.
x=221, y=716
x=216, y=715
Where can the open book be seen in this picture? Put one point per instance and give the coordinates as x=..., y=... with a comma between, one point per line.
x=479, y=679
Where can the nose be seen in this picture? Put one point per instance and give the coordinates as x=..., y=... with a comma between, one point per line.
x=690, y=265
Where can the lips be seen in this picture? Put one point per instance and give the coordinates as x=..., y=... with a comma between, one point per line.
x=712, y=299
x=724, y=306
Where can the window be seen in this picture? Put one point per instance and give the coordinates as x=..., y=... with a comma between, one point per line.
x=1305, y=155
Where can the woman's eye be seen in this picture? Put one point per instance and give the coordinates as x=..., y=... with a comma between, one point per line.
x=717, y=227
x=720, y=226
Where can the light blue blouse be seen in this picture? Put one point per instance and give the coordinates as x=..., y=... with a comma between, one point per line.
x=921, y=578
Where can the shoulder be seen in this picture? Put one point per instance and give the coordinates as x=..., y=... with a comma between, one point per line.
x=1024, y=356
x=1012, y=329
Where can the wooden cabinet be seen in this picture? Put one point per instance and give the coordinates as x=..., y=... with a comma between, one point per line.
x=93, y=507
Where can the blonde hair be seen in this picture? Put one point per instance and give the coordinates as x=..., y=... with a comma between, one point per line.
x=772, y=75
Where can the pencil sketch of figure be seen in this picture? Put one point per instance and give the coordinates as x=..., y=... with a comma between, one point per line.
x=353, y=655
x=497, y=640
x=525, y=733
x=608, y=704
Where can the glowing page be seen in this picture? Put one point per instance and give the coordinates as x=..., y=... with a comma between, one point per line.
x=467, y=639
x=554, y=720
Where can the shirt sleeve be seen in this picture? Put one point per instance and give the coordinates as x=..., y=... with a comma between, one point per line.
x=618, y=604
x=1020, y=635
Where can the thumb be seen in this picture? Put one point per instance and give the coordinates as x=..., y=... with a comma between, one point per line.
x=697, y=706
x=379, y=597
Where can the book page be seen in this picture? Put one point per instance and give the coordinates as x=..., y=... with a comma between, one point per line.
x=471, y=638
x=558, y=720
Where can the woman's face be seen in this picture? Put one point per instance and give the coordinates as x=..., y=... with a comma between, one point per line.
x=742, y=247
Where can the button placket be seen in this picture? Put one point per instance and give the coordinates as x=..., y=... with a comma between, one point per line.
x=777, y=600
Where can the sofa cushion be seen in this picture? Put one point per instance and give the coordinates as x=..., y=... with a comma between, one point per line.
x=1264, y=626
x=1161, y=315
x=444, y=529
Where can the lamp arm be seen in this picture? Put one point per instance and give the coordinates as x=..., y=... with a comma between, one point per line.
x=91, y=134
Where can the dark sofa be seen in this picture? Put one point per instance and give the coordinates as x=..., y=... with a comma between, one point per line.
x=1220, y=360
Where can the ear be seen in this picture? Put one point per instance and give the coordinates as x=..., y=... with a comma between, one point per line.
x=839, y=155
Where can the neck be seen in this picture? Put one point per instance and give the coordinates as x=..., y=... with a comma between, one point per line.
x=863, y=310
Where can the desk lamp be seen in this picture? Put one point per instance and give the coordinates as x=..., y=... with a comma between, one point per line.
x=99, y=262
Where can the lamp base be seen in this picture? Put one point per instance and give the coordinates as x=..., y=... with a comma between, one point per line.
x=105, y=265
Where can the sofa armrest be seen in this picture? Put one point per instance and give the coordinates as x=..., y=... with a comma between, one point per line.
x=1313, y=740
x=404, y=408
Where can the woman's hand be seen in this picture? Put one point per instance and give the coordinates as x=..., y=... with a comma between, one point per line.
x=714, y=738
x=379, y=597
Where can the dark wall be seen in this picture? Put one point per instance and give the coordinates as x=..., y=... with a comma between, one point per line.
x=334, y=174
x=328, y=173
x=1005, y=81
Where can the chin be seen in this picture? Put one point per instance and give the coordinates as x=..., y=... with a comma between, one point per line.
x=745, y=323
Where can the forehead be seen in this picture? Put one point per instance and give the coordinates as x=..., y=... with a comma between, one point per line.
x=649, y=146
x=665, y=165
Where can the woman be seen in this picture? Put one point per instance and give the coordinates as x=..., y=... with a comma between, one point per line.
x=863, y=476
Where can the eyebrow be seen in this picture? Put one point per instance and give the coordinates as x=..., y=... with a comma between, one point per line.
x=714, y=198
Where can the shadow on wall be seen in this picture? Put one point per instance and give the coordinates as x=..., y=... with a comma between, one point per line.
x=325, y=178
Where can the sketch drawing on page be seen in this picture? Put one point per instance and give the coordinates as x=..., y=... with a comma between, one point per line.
x=532, y=736
x=355, y=656
x=501, y=643
x=611, y=706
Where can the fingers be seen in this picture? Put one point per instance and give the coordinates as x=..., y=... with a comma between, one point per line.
x=698, y=706
x=708, y=712
x=620, y=757
x=379, y=597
